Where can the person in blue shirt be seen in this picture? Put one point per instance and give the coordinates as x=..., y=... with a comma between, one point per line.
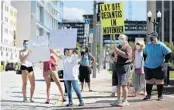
x=156, y=55
x=85, y=68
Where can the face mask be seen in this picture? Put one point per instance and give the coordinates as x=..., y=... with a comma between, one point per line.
x=137, y=47
x=151, y=39
x=25, y=46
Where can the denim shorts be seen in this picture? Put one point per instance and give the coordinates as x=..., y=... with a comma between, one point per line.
x=123, y=73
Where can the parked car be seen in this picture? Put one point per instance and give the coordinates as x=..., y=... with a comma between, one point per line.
x=10, y=67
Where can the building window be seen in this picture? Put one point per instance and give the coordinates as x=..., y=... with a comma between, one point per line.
x=6, y=19
x=6, y=30
x=11, y=12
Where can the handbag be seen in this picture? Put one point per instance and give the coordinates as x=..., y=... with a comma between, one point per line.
x=139, y=70
x=19, y=72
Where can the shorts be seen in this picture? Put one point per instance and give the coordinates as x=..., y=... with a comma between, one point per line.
x=123, y=72
x=156, y=73
x=29, y=69
x=49, y=73
x=85, y=72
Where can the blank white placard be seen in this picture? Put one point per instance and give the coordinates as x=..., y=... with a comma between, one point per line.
x=63, y=38
x=40, y=49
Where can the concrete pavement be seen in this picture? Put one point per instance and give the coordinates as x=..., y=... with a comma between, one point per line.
x=11, y=96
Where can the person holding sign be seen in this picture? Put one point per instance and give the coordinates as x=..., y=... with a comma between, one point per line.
x=124, y=59
x=27, y=71
x=70, y=69
x=49, y=70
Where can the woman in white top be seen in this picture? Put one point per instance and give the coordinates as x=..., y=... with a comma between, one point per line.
x=138, y=76
x=27, y=71
x=70, y=69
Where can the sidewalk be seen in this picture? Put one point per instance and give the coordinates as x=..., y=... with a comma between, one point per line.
x=99, y=99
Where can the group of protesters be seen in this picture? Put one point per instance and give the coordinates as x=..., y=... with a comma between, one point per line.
x=149, y=69
x=150, y=64
x=73, y=63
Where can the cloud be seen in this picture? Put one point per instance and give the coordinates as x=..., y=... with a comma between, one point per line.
x=73, y=13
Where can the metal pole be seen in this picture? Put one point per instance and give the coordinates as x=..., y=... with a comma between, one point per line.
x=95, y=40
x=154, y=26
x=100, y=47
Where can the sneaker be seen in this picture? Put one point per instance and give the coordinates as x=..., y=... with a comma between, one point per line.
x=160, y=98
x=31, y=100
x=69, y=104
x=116, y=103
x=125, y=103
x=148, y=97
x=112, y=95
x=81, y=104
x=25, y=100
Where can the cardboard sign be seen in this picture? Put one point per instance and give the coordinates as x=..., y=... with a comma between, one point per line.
x=39, y=48
x=63, y=38
x=112, y=18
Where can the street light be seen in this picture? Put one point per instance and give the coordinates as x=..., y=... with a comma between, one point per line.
x=155, y=21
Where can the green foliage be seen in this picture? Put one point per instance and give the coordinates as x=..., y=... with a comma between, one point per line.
x=170, y=46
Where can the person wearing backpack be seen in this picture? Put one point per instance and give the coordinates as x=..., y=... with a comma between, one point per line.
x=85, y=68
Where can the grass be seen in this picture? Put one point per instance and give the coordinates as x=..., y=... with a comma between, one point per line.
x=171, y=74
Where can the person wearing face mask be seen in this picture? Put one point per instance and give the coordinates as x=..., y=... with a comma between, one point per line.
x=123, y=55
x=27, y=71
x=138, y=75
x=156, y=55
x=85, y=68
x=70, y=69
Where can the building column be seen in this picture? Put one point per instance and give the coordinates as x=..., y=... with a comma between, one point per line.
x=151, y=6
x=162, y=36
x=170, y=24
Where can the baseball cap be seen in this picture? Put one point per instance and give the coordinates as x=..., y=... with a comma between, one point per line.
x=153, y=34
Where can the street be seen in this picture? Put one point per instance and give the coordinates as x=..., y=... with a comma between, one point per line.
x=11, y=96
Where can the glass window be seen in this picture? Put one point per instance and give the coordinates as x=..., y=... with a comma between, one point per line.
x=6, y=19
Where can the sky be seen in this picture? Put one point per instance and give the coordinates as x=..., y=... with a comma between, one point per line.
x=74, y=10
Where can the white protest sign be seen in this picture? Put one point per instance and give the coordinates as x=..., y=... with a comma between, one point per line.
x=63, y=38
x=138, y=39
x=40, y=49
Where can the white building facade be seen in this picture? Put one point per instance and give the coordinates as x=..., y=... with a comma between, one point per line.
x=37, y=18
x=8, y=51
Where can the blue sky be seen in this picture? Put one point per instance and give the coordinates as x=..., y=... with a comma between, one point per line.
x=74, y=9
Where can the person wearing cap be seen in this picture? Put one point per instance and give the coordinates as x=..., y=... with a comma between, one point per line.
x=123, y=54
x=70, y=69
x=156, y=55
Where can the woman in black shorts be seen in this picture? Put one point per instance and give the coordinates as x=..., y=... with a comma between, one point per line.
x=85, y=69
x=27, y=71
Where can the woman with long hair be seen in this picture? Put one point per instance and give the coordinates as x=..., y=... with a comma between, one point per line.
x=49, y=70
x=85, y=69
x=27, y=71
